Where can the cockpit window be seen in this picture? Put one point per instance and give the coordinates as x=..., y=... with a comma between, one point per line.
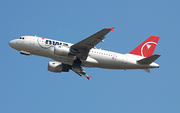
x=21, y=37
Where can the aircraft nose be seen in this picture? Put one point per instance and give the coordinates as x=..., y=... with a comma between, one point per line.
x=12, y=43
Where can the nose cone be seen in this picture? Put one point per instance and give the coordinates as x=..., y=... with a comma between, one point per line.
x=12, y=43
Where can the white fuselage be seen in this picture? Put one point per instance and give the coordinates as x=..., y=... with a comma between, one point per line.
x=96, y=57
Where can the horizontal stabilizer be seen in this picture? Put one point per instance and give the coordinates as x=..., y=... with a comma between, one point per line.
x=149, y=59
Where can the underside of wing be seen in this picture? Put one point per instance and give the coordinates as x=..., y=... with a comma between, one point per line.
x=78, y=70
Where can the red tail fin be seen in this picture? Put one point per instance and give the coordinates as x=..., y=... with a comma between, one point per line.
x=146, y=48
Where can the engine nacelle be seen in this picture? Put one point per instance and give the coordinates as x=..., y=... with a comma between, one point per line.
x=56, y=67
x=62, y=51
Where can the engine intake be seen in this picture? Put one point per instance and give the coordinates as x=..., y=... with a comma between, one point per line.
x=61, y=50
x=57, y=67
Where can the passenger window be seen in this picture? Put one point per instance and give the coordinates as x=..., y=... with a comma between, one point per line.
x=50, y=42
x=57, y=43
x=53, y=43
x=46, y=41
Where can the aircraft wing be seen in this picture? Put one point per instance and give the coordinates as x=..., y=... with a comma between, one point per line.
x=82, y=73
x=79, y=71
x=82, y=48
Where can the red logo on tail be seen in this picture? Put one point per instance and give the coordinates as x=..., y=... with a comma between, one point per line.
x=146, y=48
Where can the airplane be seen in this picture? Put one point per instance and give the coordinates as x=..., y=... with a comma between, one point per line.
x=84, y=53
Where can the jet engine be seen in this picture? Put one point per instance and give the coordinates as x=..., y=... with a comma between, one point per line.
x=57, y=67
x=60, y=50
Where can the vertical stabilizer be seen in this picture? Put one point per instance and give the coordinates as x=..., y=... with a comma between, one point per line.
x=147, y=47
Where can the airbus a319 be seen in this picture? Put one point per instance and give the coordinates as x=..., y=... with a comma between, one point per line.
x=74, y=57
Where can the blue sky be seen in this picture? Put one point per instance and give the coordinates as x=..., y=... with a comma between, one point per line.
x=26, y=86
